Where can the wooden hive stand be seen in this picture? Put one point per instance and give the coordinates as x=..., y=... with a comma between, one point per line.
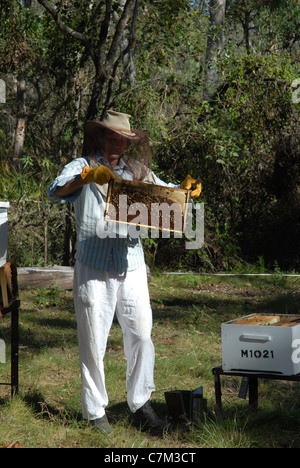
x=9, y=303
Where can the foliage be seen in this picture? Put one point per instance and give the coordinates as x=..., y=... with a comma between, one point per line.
x=251, y=154
x=244, y=144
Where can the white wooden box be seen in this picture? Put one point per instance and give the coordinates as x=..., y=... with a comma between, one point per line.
x=4, y=206
x=262, y=343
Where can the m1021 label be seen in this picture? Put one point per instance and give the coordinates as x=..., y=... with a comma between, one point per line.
x=257, y=354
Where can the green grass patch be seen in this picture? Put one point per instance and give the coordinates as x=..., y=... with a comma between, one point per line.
x=188, y=311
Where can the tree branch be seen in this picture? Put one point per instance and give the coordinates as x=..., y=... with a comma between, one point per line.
x=128, y=9
x=67, y=30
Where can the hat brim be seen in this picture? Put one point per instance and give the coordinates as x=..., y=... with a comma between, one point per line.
x=92, y=126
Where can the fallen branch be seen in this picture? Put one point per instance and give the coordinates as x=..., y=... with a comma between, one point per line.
x=46, y=277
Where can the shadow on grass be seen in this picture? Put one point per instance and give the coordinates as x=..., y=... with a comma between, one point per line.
x=178, y=307
x=41, y=408
x=54, y=310
x=277, y=420
x=271, y=427
x=117, y=413
x=120, y=411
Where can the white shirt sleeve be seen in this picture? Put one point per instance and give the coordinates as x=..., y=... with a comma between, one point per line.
x=69, y=172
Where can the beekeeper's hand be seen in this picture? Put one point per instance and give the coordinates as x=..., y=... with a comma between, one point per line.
x=100, y=175
x=192, y=184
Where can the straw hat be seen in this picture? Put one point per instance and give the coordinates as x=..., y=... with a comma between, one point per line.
x=138, y=154
x=113, y=121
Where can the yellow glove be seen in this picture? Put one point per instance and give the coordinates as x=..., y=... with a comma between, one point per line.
x=192, y=184
x=100, y=175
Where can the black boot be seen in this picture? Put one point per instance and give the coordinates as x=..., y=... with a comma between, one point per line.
x=102, y=425
x=147, y=420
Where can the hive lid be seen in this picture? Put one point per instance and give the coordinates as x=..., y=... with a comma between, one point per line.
x=280, y=320
x=4, y=204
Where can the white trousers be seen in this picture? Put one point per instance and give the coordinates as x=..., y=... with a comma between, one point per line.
x=97, y=296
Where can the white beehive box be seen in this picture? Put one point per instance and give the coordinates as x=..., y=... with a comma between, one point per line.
x=262, y=343
x=4, y=206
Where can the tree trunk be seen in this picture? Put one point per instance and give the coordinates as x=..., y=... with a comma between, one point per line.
x=120, y=46
x=21, y=118
x=215, y=43
x=77, y=108
x=21, y=109
x=97, y=93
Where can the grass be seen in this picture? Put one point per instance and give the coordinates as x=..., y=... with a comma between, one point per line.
x=188, y=311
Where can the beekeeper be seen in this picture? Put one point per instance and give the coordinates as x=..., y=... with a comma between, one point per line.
x=110, y=272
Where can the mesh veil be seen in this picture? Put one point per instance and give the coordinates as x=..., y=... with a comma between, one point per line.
x=137, y=156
